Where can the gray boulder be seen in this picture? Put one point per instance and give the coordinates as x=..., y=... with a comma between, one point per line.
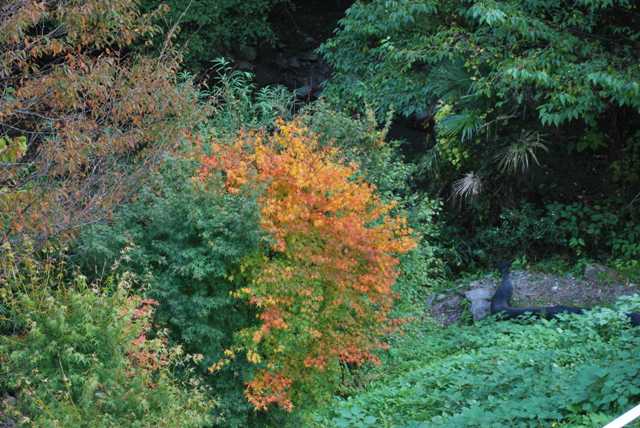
x=480, y=299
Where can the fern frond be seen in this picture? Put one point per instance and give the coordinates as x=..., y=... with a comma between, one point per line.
x=448, y=81
x=465, y=124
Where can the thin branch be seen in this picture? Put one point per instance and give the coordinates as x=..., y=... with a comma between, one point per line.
x=2, y=124
x=31, y=113
x=173, y=29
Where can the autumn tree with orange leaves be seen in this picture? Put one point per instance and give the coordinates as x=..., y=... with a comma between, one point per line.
x=82, y=118
x=322, y=287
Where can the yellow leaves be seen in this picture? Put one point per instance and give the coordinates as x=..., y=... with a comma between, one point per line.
x=243, y=292
x=56, y=47
x=229, y=355
x=217, y=366
x=316, y=334
x=324, y=293
x=253, y=357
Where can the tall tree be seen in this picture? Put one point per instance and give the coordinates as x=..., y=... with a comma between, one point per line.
x=82, y=119
x=502, y=81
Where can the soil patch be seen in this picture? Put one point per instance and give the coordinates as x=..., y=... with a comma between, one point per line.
x=599, y=287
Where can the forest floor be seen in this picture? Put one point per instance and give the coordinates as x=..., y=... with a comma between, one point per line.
x=596, y=286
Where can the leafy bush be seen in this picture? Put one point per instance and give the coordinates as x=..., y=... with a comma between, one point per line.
x=189, y=243
x=574, y=230
x=84, y=357
x=95, y=119
x=322, y=288
x=238, y=104
x=504, y=88
x=581, y=371
x=625, y=246
x=362, y=139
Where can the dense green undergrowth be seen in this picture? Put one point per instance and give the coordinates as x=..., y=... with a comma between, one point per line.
x=74, y=354
x=574, y=232
x=580, y=371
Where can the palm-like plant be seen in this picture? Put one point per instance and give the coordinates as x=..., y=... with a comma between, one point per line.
x=465, y=124
x=518, y=156
x=467, y=187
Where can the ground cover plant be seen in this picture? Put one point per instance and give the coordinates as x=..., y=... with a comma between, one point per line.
x=580, y=371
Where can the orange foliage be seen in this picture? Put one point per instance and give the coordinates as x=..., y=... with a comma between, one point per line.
x=141, y=354
x=325, y=293
x=268, y=388
x=96, y=120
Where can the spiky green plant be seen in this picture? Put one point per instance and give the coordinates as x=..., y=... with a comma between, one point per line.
x=518, y=156
x=467, y=187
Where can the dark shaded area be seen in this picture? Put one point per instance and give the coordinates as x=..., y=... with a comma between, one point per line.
x=307, y=18
x=300, y=27
x=501, y=303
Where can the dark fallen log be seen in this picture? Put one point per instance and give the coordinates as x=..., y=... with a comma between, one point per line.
x=501, y=303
